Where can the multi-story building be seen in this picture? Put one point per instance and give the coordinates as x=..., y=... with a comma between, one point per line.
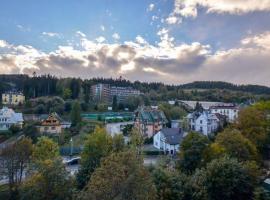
x=101, y=92
x=205, y=122
x=149, y=121
x=229, y=110
x=8, y=118
x=13, y=98
x=122, y=93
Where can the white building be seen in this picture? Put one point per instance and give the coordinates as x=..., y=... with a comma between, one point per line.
x=168, y=140
x=229, y=110
x=8, y=118
x=204, y=122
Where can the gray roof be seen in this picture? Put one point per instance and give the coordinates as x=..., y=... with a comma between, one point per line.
x=173, y=136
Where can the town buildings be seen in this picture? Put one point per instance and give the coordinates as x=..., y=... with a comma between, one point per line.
x=229, y=110
x=8, y=118
x=105, y=93
x=13, y=98
x=149, y=121
x=168, y=140
x=205, y=122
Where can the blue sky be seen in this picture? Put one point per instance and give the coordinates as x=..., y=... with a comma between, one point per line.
x=172, y=41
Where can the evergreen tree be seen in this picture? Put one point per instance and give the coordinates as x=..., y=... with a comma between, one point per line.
x=114, y=103
x=76, y=114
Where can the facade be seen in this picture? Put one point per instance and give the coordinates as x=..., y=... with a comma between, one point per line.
x=53, y=125
x=101, y=92
x=149, y=121
x=168, y=140
x=13, y=98
x=8, y=118
x=229, y=110
x=122, y=93
x=205, y=122
x=105, y=92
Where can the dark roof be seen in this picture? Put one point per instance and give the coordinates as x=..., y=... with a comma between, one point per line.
x=173, y=135
x=224, y=106
x=152, y=115
x=220, y=116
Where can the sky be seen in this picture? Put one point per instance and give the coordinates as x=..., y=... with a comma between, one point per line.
x=170, y=41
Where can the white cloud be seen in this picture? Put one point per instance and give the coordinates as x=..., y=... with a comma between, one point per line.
x=116, y=36
x=139, y=60
x=3, y=44
x=154, y=18
x=189, y=8
x=80, y=34
x=151, y=7
x=51, y=34
x=23, y=28
x=173, y=20
x=100, y=39
x=140, y=40
x=102, y=28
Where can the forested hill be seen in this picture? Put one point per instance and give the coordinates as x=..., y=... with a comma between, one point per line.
x=47, y=85
x=256, y=89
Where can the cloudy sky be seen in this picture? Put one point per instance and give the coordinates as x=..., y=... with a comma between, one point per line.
x=171, y=41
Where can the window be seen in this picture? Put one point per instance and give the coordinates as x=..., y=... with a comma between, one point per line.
x=53, y=127
x=201, y=129
x=200, y=121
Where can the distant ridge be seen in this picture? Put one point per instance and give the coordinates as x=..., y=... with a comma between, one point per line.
x=18, y=80
x=256, y=89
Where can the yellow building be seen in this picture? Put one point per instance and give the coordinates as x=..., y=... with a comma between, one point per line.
x=13, y=98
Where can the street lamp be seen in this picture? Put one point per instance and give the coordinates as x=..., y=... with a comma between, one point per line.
x=71, y=147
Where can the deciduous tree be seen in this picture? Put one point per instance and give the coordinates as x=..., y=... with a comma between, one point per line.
x=121, y=176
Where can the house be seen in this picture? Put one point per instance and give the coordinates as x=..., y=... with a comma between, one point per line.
x=168, y=140
x=149, y=121
x=8, y=118
x=205, y=122
x=13, y=98
x=53, y=124
x=229, y=110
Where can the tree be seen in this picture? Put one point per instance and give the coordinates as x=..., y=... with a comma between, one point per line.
x=66, y=93
x=30, y=130
x=252, y=123
x=114, y=103
x=191, y=151
x=75, y=87
x=171, y=185
x=97, y=146
x=118, y=143
x=236, y=145
x=50, y=180
x=86, y=91
x=136, y=140
x=45, y=149
x=198, y=107
x=14, y=159
x=76, y=114
x=223, y=178
x=213, y=151
x=121, y=176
